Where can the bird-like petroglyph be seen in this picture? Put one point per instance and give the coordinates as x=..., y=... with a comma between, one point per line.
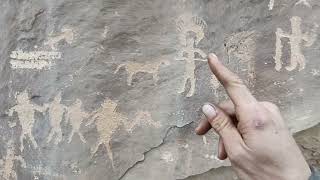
x=108, y=121
x=296, y=39
x=132, y=68
x=33, y=59
x=56, y=112
x=75, y=116
x=67, y=34
x=191, y=32
x=7, y=164
x=25, y=110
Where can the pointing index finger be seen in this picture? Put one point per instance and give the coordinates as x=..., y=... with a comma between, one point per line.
x=237, y=91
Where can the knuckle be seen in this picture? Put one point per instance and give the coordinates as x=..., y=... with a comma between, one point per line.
x=234, y=81
x=220, y=123
x=270, y=105
x=237, y=153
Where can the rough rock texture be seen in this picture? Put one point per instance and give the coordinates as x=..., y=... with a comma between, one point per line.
x=112, y=89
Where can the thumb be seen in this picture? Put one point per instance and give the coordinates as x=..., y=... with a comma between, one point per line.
x=224, y=126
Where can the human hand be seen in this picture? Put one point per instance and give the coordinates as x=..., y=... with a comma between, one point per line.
x=252, y=134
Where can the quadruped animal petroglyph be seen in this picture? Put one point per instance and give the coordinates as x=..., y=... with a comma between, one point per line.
x=133, y=68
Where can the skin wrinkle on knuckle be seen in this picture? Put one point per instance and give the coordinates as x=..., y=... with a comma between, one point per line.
x=220, y=123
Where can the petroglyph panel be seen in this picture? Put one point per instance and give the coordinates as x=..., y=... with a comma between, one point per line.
x=114, y=89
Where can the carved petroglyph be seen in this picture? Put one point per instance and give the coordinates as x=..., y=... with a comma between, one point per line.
x=67, y=35
x=315, y=72
x=105, y=32
x=242, y=46
x=295, y=41
x=56, y=112
x=108, y=120
x=25, y=110
x=191, y=32
x=304, y=2
x=133, y=68
x=7, y=171
x=33, y=59
x=167, y=157
x=75, y=116
x=271, y=4
x=141, y=118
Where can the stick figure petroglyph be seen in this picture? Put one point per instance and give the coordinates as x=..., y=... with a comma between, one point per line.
x=7, y=163
x=133, y=68
x=67, y=34
x=75, y=116
x=191, y=33
x=25, y=110
x=295, y=41
x=56, y=112
x=108, y=121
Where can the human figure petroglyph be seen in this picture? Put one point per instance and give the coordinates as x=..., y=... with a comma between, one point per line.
x=67, y=34
x=108, y=121
x=295, y=40
x=25, y=110
x=7, y=166
x=133, y=68
x=191, y=31
x=75, y=116
x=56, y=112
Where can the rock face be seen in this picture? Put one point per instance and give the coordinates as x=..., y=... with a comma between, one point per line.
x=112, y=89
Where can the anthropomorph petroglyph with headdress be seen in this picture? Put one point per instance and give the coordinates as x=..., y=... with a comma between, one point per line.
x=191, y=32
x=296, y=39
x=108, y=121
x=25, y=110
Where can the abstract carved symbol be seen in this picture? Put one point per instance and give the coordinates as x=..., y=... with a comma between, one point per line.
x=25, y=110
x=56, y=112
x=33, y=59
x=7, y=164
x=108, y=121
x=191, y=32
x=75, y=116
x=295, y=41
x=304, y=2
x=133, y=68
x=271, y=4
x=67, y=34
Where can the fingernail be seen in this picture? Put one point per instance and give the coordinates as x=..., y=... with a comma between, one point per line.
x=211, y=55
x=209, y=111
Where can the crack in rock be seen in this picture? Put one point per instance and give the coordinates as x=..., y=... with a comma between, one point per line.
x=153, y=148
